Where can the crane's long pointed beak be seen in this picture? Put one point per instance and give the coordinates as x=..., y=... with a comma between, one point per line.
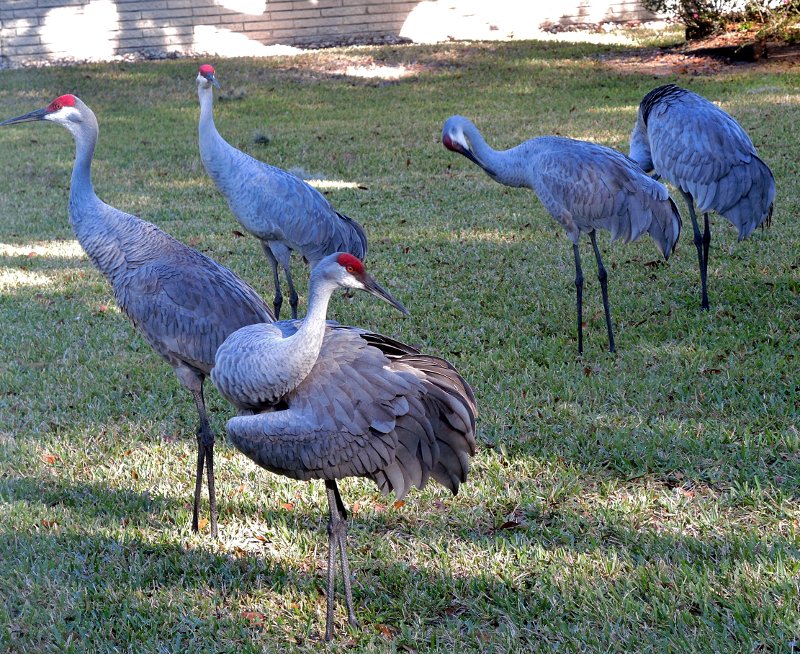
x=214, y=82
x=452, y=145
x=37, y=114
x=371, y=286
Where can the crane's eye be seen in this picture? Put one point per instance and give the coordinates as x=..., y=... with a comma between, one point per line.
x=350, y=269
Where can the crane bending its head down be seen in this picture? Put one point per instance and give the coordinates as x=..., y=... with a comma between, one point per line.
x=584, y=186
x=702, y=150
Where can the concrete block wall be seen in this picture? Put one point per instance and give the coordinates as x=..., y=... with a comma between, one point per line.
x=53, y=30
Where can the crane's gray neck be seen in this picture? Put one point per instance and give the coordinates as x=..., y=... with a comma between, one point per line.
x=85, y=134
x=208, y=133
x=206, y=96
x=310, y=334
x=83, y=201
x=106, y=234
x=215, y=151
x=500, y=165
x=292, y=358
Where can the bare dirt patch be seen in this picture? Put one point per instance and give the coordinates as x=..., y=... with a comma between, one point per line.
x=709, y=56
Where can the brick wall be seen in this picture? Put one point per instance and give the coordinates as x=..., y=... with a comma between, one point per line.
x=50, y=30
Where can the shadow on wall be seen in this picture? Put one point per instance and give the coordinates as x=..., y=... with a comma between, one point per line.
x=106, y=29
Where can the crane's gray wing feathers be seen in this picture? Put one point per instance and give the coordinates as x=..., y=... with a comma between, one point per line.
x=587, y=186
x=703, y=151
x=275, y=205
x=186, y=311
x=397, y=418
x=356, y=237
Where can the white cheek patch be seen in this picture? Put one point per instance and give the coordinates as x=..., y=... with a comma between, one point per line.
x=65, y=114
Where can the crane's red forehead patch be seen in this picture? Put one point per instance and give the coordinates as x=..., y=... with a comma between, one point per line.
x=349, y=261
x=206, y=69
x=60, y=102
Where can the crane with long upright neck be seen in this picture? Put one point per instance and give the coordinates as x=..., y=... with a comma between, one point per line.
x=184, y=303
x=281, y=210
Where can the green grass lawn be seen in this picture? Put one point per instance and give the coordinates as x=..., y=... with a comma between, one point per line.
x=643, y=501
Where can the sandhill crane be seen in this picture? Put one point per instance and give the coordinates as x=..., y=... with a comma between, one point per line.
x=183, y=303
x=703, y=151
x=584, y=186
x=334, y=402
x=282, y=211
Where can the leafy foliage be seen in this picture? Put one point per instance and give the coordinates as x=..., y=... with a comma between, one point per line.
x=705, y=17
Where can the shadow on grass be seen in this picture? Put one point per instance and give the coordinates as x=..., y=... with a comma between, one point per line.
x=87, y=499
x=99, y=591
x=566, y=580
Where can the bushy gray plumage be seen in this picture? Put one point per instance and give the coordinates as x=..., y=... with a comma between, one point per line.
x=703, y=151
x=274, y=205
x=184, y=303
x=586, y=186
x=370, y=407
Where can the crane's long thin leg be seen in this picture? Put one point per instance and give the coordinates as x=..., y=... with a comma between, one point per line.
x=337, y=541
x=348, y=587
x=698, y=244
x=277, y=301
x=602, y=275
x=198, y=482
x=706, y=247
x=205, y=454
x=293, y=298
x=579, y=294
x=284, y=257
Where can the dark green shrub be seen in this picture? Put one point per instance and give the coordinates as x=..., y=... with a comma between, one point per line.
x=705, y=17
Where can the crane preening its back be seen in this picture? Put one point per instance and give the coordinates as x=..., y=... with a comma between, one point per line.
x=285, y=213
x=585, y=187
x=703, y=151
x=326, y=402
x=184, y=303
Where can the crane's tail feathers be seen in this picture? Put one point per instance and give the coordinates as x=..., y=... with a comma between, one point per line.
x=416, y=454
x=390, y=347
x=753, y=208
x=436, y=437
x=447, y=377
x=744, y=195
x=452, y=402
x=357, y=237
x=665, y=227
